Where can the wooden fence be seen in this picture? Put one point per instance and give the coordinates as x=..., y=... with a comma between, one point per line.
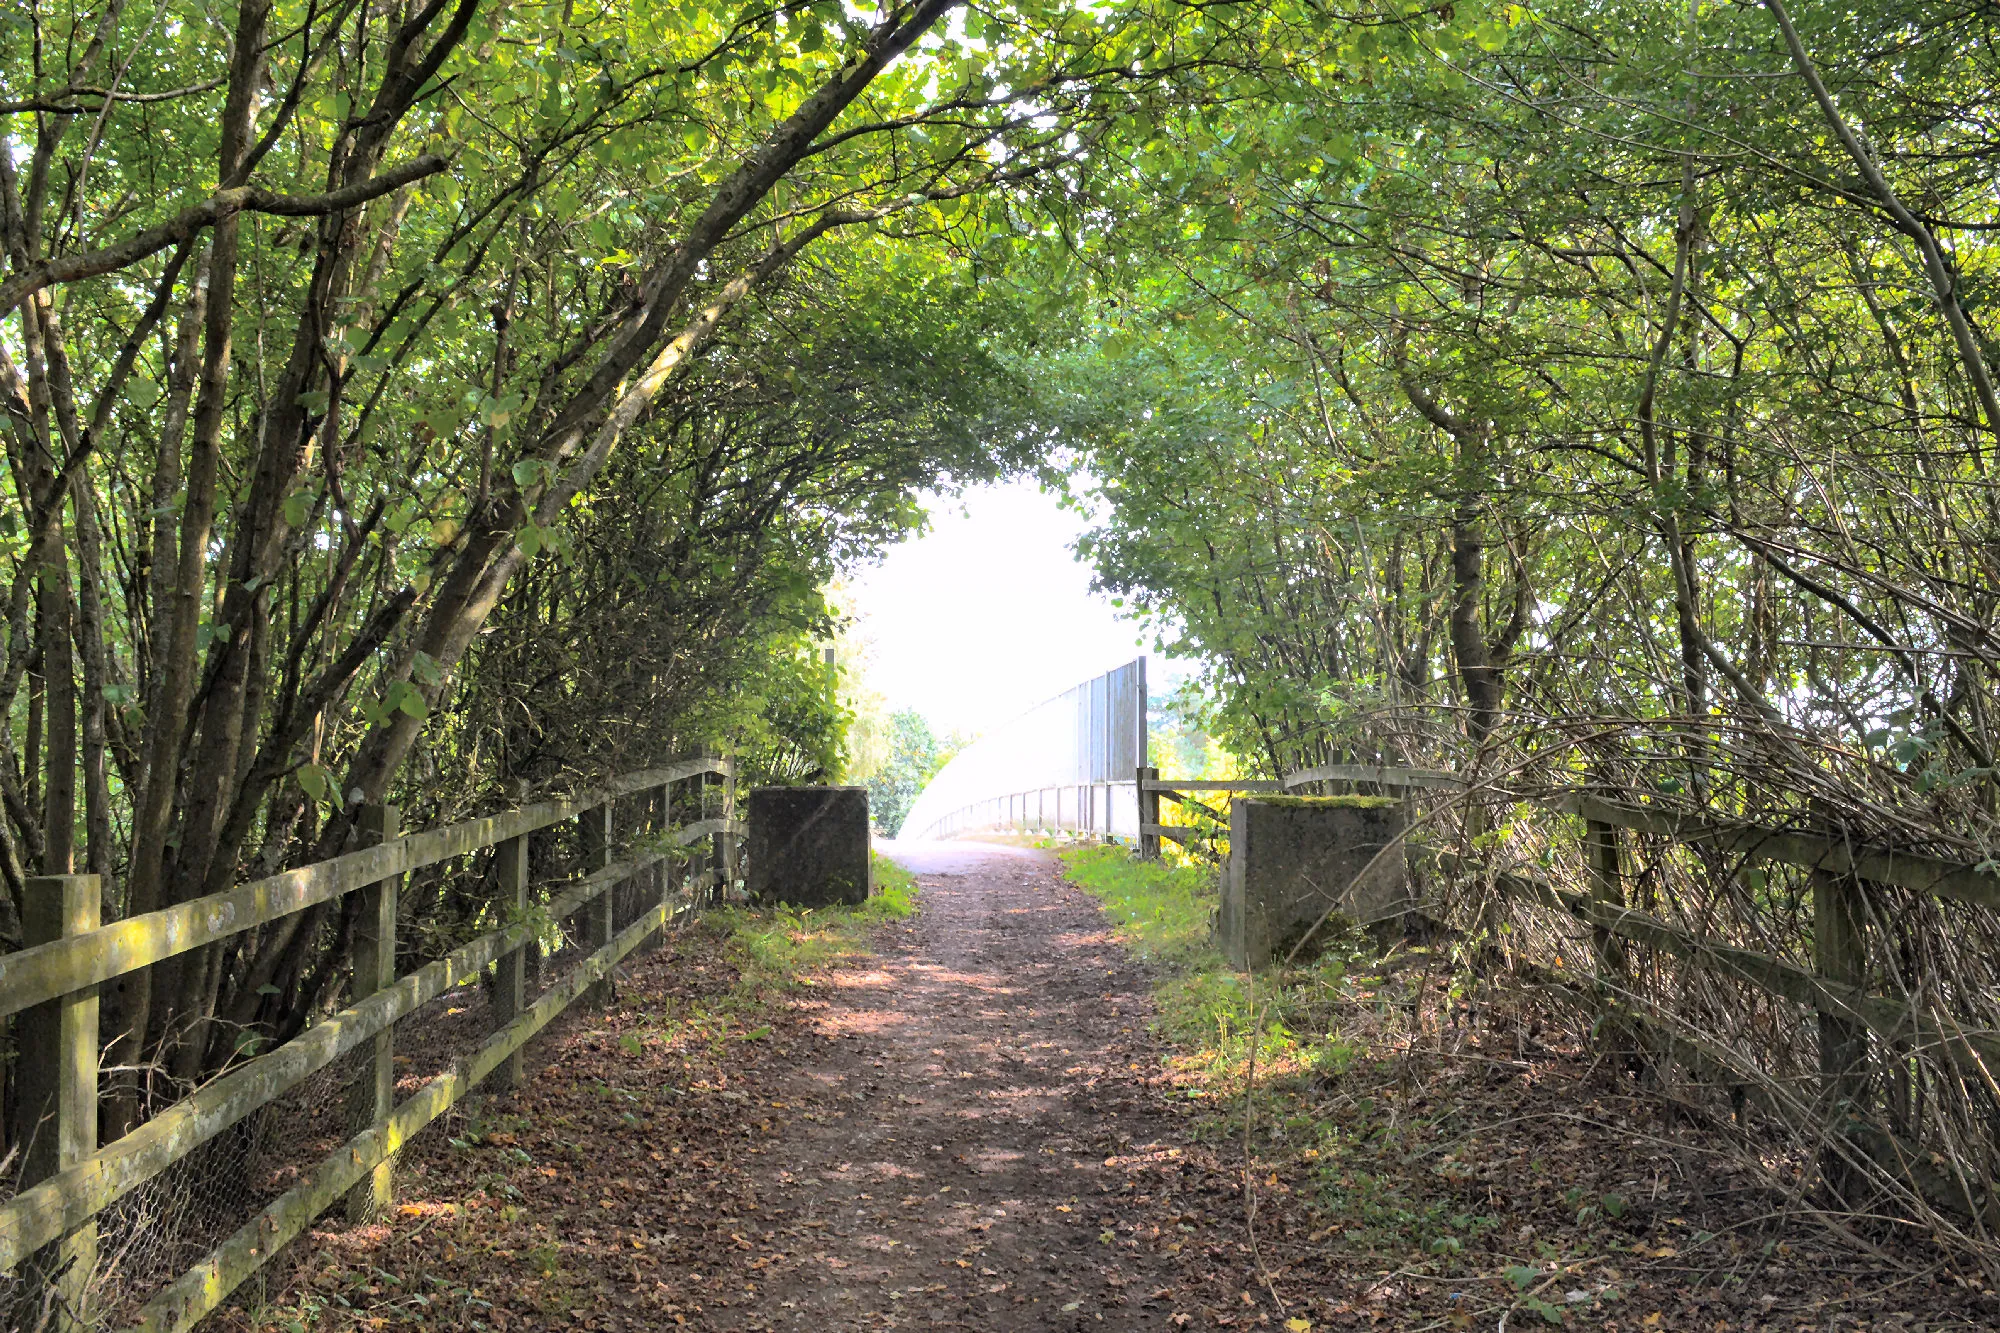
x=48, y=1230
x=1847, y=880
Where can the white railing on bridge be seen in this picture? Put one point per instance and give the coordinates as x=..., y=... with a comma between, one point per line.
x=1070, y=763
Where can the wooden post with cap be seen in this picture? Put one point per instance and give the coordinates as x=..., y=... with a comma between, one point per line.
x=373, y=1095
x=1149, y=814
x=58, y=1097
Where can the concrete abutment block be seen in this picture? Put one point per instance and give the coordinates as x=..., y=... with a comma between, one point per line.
x=1291, y=857
x=808, y=845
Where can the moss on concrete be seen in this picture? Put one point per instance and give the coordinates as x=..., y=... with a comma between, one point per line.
x=1321, y=802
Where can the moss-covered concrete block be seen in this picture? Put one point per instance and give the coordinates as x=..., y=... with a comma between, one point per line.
x=808, y=845
x=1293, y=857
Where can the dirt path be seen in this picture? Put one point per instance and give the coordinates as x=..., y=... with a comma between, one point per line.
x=983, y=1149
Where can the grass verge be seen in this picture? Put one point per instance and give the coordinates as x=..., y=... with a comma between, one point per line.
x=1461, y=1163
x=779, y=948
x=1326, y=1107
x=1212, y=1013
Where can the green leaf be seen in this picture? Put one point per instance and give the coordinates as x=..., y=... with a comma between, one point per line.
x=399, y=519
x=426, y=669
x=315, y=781
x=408, y=699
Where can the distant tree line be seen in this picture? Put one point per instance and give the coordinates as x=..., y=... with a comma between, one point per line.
x=913, y=756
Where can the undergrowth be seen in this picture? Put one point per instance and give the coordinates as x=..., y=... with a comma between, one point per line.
x=1327, y=1099
x=778, y=948
x=1437, y=1143
x=1211, y=1012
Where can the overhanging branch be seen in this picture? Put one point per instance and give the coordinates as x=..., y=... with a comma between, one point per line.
x=243, y=199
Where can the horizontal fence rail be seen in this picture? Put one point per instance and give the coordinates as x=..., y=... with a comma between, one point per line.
x=283, y=1220
x=1972, y=1051
x=48, y=1230
x=44, y=972
x=1915, y=871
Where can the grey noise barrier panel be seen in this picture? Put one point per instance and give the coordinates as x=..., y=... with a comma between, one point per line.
x=1294, y=860
x=808, y=845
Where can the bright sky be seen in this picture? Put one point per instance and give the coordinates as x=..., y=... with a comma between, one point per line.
x=989, y=612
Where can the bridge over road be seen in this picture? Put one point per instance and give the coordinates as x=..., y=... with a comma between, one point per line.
x=1068, y=763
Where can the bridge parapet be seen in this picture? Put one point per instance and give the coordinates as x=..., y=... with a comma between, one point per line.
x=1068, y=764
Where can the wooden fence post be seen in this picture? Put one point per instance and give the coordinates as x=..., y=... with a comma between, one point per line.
x=660, y=811
x=1605, y=863
x=1607, y=885
x=373, y=1094
x=57, y=1084
x=1841, y=954
x=595, y=825
x=1149, y=813
x=725, y=842
x=697, y=859
x=510, y=994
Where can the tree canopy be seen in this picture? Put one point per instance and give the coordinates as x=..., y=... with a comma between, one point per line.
x=1611, y=366
x=1585, y=395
